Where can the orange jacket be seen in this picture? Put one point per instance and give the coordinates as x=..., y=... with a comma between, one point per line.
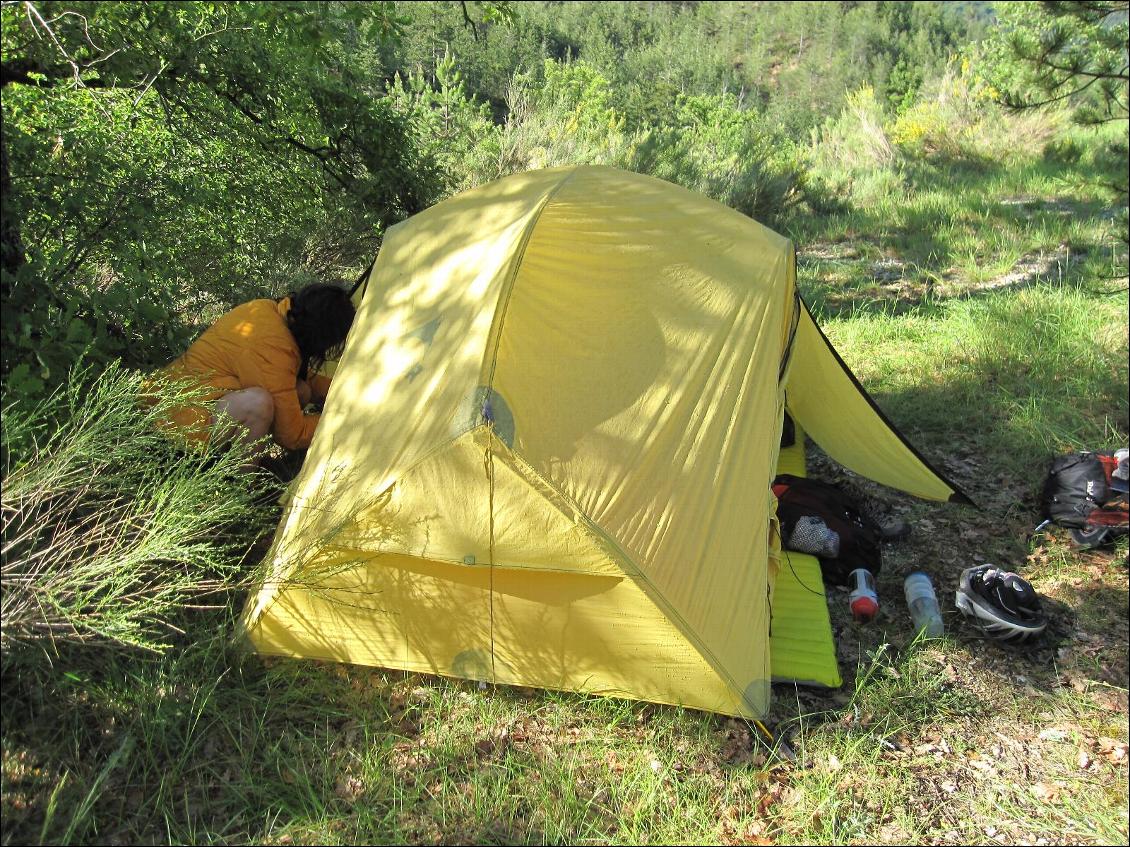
x=251, y=346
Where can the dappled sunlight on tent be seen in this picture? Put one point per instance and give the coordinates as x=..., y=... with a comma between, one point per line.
x=548, y=449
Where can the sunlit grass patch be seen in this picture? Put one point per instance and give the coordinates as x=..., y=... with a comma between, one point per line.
x=1035, y=372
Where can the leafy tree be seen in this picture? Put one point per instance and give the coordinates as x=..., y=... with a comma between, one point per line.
x=1064, y=52
x=156, y=151
x=500, y=39
x=449, y=126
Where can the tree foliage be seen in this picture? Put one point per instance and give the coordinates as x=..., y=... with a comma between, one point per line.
x=793, y=60
x=163, y=160
x=1073, y=52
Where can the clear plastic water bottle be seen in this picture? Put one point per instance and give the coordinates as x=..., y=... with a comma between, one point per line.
x=923, y=605
x=864, y=600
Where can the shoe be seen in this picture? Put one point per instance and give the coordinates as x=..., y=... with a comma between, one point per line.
x=1085, y=539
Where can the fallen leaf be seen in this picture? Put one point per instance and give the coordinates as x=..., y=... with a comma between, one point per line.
x=792, y=796
x=755, y=834
x=408, y=727
x=1012, y=742
x=1043, y=791
x=772, y=795
x=1084, y=760
x=349, y=788
x=1112, y=750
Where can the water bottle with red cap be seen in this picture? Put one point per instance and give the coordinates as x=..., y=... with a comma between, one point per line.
x=864, y=600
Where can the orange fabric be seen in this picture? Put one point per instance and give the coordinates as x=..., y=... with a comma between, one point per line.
x=251, y=346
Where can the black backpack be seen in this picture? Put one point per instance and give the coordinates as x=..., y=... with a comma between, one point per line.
x=860, y=537
x=1082, y=493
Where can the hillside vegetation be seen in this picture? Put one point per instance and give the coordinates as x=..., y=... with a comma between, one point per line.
x=955, y=179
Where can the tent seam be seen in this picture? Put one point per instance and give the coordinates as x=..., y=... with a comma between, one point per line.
x=508, y=291
x=502, y=310
x=787, y=358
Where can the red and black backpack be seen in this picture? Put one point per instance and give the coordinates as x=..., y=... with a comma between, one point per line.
x=1086, y=493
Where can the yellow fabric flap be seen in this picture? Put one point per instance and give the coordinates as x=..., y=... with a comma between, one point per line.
x=826, y=399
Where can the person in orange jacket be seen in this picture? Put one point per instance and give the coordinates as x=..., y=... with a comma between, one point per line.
x=257, y=364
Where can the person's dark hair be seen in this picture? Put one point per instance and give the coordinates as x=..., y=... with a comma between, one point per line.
x=319, y=319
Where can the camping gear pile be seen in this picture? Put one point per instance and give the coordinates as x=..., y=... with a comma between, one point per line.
x=824, y=520
x=1086, y=493
x=547, y=453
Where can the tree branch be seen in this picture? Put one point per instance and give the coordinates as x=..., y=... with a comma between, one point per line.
x=1090, y=11
x=467, y=20
x=20, y=71
x=316, y=152
x=1015, y=102
x=31, y=10
x=1120, y=75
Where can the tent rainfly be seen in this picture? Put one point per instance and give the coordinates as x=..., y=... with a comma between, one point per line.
x=546, y=456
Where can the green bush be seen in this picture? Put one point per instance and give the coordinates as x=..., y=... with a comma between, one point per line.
x=712, y=144
x=851, y=156
x=110, y=531
x=569, y=114
x=563, y=114
x=958, y=120
x=452, y=129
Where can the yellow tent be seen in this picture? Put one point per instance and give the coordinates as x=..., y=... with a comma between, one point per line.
x=547, y=453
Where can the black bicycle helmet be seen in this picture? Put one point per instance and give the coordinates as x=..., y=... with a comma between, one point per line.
x=1002, y=605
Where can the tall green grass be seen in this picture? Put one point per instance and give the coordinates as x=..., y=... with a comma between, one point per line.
x=109, y=529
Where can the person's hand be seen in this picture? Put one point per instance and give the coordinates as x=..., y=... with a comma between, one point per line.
x=305, y=395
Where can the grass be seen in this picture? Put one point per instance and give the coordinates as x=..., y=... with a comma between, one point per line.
x=1034, y=372
x=108, y=529
x=947, y=742
x=919, y=229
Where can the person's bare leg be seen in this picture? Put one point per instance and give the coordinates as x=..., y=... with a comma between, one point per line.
x=246, y=414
